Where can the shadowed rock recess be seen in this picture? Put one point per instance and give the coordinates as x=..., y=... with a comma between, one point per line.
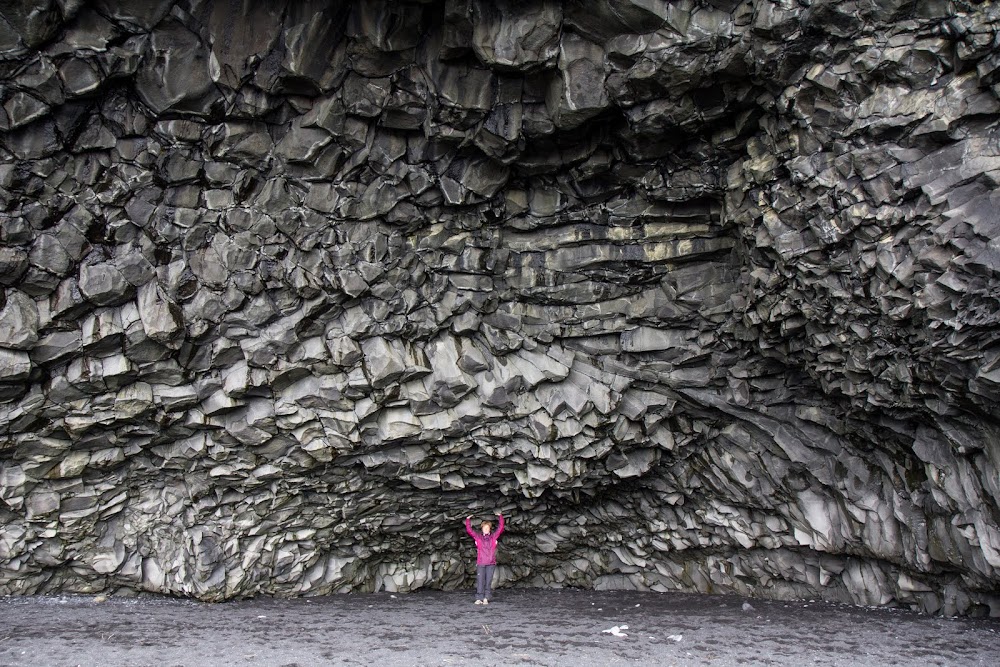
x=704, y=295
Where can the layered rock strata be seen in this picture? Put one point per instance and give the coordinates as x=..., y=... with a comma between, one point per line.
x=703, y=294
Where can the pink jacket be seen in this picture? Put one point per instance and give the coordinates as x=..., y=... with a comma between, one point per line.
x=486, y=545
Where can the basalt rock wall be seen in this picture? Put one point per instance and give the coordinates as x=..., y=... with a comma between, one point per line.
x=703, y=295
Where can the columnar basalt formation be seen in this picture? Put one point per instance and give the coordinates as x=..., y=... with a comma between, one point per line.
x=703, y=294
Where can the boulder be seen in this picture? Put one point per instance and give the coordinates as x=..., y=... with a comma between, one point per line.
x=103, y=284
x=510, y=36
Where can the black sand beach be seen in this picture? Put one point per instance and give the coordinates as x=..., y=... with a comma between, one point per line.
x=520, y=627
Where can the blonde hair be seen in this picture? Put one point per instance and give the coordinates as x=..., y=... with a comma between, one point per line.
x=486, y=523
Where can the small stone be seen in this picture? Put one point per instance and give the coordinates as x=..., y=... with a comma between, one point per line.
x=14, y=365
x=18, y=321
x=103, y=284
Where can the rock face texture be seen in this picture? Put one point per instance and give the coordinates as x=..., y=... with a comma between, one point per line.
x=704, y=295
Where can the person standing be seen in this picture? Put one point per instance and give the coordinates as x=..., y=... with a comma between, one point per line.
x=486, y=555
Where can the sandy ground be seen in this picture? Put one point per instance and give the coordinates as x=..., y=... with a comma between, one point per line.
x=520, y=627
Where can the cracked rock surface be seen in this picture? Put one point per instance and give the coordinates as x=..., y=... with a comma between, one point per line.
x=704, y=295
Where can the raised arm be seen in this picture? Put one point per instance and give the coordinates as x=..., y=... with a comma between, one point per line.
x=468, y=526
x=500, y=525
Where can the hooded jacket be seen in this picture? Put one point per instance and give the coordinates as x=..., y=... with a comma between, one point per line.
x=486, y=545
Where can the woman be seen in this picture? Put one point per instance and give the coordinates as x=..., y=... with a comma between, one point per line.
x=486, y=555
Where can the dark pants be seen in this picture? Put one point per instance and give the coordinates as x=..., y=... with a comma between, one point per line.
x=484, y=581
